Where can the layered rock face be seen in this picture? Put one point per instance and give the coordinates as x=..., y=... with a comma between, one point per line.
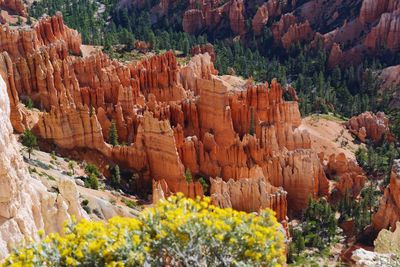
x=349, y=176
x=367, y=125
x=372, y=10
x=386, y=33
x=25, y=204
x=16, y=6
x=250, y=195
x=389, y=209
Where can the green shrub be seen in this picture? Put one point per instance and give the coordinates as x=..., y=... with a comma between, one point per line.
x=28, y=103
x=92, y=182
x=92, y=169
x=188, y=176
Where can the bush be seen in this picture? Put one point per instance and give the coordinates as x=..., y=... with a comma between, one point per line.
x=130, y=203
x=92, y=182
x=92, y=169
x=188, y=176
x=28, y=103
x=115, y=176
x=176, y=232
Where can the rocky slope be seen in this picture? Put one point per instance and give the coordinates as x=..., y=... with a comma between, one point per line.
x=25, y=204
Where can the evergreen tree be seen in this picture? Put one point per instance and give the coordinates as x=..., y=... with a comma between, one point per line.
x=113, y=134
x=28, y=139
x=188, y=176
x=186, y=46
x=28, y=103
x=115, y=176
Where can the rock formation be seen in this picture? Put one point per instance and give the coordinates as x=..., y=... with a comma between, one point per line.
x=260, y=19
x=388, y=242
x=386, y=33
x=348, y=29
x=236, y=17
x=249, y=195
x=25, y=204
x=389, y=209
x=372, y=10
x=16, y=6
x=297, y=33
x=170, y=118
x=390, y=81
x=349, y=176
x=367, y=125
x=202, y=49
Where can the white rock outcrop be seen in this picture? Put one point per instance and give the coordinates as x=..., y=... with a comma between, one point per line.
x=25, y=204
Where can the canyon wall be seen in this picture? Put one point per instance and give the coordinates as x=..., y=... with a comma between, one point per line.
x=169, y=118
x=388, y=213
x=249, y=195
x=25, y=204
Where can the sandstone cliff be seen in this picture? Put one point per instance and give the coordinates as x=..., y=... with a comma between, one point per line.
x=25, y=204
x=389, y=209
x=250, y=195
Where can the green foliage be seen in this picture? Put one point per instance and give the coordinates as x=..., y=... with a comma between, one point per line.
x=92, y=182
x=188, y=176
x=318, y=228
x=92, y=169
x=360, y=210
x=113, y=134
x=28, y=139
x=378, y=160
x=93, y=174
x=82, y=15
x=204, y=184
x=115, y=176
x=29, y=103
x=130, y=203
x=71, y=166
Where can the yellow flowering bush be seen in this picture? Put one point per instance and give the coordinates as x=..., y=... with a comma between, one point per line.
x=176, y=232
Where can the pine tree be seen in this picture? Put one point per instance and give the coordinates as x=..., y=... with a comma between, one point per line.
x=116, y=176
x=186, y=46
x=28, y=139
x=188, y=176
x=113, y=134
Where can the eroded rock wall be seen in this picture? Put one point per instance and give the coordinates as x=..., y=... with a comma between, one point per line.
x=388, y=213
x=25, y=204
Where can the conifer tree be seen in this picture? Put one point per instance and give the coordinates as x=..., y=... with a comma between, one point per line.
x=28, y=139
x=113, y=134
